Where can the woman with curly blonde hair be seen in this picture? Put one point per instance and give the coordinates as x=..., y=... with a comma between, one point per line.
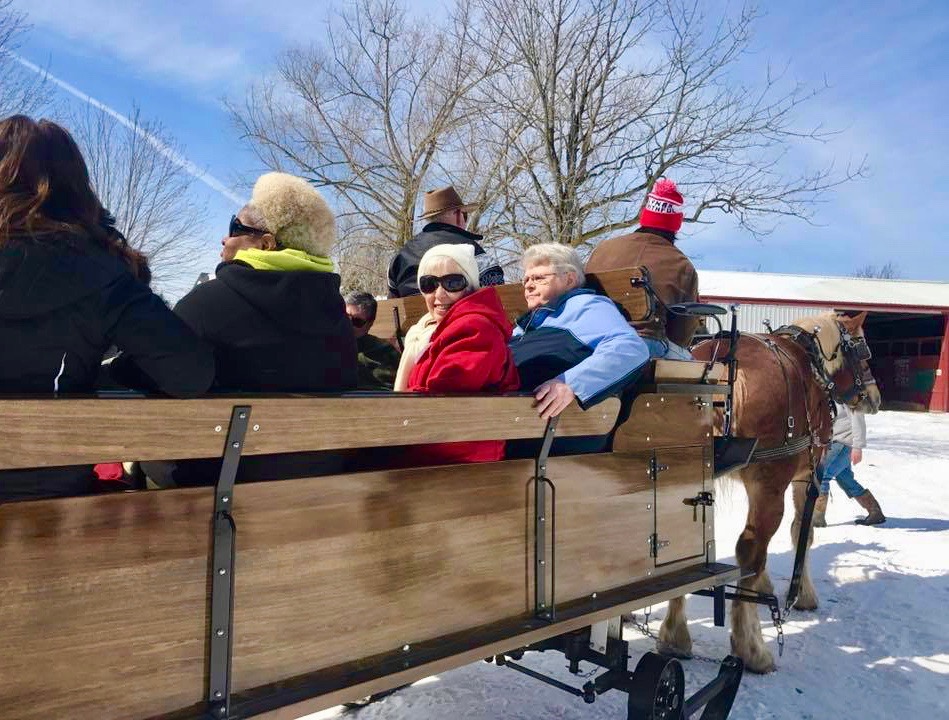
x=274, y=313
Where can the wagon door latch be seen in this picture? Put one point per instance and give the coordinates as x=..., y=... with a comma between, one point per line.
x=704, y=499
x=655, y=545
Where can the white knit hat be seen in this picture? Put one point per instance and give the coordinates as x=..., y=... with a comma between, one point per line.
x=295, y=213
x=463, y=255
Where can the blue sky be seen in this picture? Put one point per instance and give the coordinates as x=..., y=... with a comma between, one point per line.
x=887, y=64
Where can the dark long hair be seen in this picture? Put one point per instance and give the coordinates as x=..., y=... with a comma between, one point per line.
x=46, y=193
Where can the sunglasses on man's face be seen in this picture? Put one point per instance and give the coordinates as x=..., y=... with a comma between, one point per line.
x=357, y=322
x=237, y=228
x=452, y=283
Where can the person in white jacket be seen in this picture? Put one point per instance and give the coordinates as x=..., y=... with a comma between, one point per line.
x=846, y=449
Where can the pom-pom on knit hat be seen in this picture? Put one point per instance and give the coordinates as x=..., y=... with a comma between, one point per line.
x=295, y=213
x=663, y=208
x=462, y=254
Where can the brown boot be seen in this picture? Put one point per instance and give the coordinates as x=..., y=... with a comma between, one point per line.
x=820, y=508
x=869, y=503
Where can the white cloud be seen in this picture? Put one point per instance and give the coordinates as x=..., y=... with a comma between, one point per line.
x=174, y=42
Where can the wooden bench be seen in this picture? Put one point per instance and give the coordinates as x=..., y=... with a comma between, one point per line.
x=626, y=287
x=344, y=585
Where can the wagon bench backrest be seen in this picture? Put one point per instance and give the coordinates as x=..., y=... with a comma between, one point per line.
x=49, y=433
x=625, y=287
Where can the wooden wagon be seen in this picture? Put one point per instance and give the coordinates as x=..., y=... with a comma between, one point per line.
x=276, y=599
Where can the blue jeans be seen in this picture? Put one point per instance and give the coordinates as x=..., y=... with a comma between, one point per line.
x=666, y=349
x=836, y=466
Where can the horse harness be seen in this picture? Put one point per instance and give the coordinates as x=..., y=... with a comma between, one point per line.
x=855, y=351
x=852, y=348
x=794, y=445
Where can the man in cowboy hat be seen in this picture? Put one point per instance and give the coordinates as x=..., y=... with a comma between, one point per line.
x=447, y=216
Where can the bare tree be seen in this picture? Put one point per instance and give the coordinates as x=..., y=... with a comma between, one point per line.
x=618, y=93
x=366, y=115
x=148, y=192
x=362, y=257
x=480, y=158
x=887, y=271
x=22, y=91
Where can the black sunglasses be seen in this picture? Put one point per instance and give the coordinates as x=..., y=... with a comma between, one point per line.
x=357, y=322
x=452, y=283
x=237, y=228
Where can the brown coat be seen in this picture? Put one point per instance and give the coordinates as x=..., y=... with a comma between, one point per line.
x=673, y=278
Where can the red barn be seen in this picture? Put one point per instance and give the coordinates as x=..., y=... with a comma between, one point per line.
x=907, y=323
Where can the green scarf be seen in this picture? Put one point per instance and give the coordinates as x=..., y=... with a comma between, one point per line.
x=284, y=260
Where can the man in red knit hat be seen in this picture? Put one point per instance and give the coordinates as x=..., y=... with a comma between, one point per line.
x=671, y=273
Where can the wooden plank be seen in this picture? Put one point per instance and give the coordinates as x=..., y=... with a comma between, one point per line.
x=513, y=300
x=617, y=285
x=659, y=420
x=313, y=424
x=53, y=432
x=409, y=310
x=684, y=371
x=103, y=604
x=642, y=594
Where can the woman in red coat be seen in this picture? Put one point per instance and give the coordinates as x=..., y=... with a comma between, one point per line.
x=468, y=350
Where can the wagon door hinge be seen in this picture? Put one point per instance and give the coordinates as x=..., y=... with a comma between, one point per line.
x=655, y=545
x=656, y=467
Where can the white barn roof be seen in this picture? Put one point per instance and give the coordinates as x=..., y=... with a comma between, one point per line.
x=841, y=292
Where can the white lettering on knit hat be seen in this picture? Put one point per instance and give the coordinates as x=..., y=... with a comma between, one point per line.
x=660, y=205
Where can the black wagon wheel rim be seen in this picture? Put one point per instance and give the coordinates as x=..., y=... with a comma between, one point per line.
x=667, y=701
x=656, y=689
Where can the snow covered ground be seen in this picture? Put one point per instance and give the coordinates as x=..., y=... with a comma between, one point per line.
x=878, y=646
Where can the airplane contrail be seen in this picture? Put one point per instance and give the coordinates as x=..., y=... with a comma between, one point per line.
x=160, y=147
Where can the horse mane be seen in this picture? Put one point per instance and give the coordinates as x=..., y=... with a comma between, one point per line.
x=828, y=337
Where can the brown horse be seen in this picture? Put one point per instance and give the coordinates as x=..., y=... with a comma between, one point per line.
x=781, y=396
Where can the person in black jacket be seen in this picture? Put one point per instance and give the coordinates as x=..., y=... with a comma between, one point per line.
x=274, y=315
x=69, y=290
x=274, y=312
x=447, y=214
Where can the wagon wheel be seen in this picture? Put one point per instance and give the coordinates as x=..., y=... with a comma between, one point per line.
x=656, y=689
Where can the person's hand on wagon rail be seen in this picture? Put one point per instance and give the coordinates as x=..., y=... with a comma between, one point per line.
x=553, y=397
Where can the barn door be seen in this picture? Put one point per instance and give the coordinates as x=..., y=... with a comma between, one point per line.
x=682, y=483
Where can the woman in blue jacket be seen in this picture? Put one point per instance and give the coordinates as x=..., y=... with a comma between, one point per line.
x=572, y=343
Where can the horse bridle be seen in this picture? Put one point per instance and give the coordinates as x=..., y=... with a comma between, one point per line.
x=855, y=352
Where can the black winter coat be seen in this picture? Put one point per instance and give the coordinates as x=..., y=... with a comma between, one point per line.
x=403, y=270
x=63, y=304
x=273, y=330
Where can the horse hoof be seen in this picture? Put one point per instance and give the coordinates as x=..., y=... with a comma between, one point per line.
x=669, y=650
x=807, y=604
x=761, y=663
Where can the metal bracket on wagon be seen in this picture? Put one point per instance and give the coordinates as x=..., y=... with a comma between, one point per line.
x=543, y=604
x=222, y=569
x=655, y=689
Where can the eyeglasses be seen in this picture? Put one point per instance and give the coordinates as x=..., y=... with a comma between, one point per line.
x=358, y=322
x=543, y=279
x=452, y=283
x=237, y=228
